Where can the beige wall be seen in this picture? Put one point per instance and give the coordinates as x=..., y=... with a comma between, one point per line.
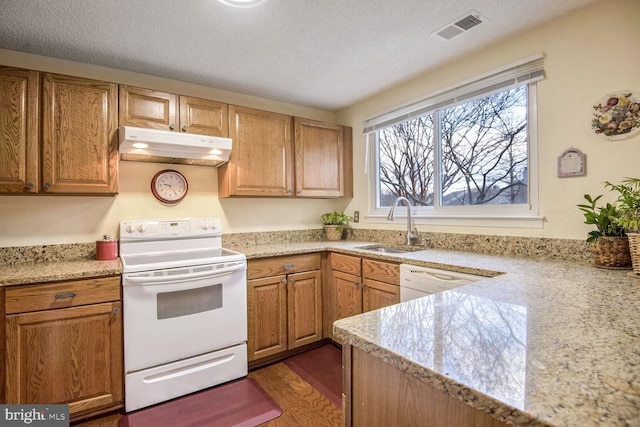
x=588, y=54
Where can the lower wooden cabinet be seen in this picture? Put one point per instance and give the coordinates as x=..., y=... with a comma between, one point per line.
x=378, y=394
x=284, y=300
x=64, y=345
x=359, y=285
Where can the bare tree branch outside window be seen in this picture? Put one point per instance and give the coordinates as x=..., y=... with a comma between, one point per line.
x=484, y=146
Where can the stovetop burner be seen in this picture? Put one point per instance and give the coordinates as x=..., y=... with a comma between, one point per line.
x=169, y=243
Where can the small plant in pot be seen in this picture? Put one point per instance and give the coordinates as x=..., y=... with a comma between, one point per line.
x=609, y=244
x=628, y=205
x=333, y=224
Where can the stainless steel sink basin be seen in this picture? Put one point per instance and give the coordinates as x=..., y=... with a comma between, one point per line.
x=392, y=249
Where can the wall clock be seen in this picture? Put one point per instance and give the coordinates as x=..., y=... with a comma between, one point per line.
x=169, y=186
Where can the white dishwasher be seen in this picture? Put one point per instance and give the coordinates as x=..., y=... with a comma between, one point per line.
x=417, y=281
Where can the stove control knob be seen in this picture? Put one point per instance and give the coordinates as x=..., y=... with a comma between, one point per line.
x=142, y=228
x=130, y=228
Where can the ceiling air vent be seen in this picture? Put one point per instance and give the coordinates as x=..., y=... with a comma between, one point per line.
x=461, y=25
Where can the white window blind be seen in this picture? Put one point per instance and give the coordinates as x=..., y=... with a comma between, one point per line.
x=522, y=72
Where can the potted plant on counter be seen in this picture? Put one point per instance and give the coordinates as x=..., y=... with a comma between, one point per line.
x=609, y=243
x=333, y=224
x=628, y=205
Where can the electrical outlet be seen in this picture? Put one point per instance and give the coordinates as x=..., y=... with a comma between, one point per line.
x=356, y=216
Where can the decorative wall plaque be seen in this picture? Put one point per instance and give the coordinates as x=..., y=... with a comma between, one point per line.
x=572, y=162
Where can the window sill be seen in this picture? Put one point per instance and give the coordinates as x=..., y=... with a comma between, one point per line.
x=496, y=221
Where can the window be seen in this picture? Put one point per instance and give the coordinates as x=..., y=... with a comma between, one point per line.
x=465, y=156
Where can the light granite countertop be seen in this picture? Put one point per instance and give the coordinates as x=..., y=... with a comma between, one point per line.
x=548, y=343
x=538, y=343
x=42, y=272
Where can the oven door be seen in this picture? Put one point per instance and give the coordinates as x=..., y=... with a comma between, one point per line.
x=182, y=312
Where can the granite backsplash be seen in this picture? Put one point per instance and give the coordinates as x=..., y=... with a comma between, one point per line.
x=530, y=247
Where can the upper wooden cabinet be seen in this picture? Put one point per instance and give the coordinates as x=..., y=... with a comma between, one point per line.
x=19, y=124
x=275, y=155
x=79, y=135
x=166, y=111
x=262, y=155
x=323, y=162
x=75, y=151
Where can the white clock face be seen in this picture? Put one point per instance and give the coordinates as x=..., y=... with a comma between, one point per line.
x=169, y=186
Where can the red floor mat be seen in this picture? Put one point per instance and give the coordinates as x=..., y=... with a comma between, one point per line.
x=322, y=368
x=241, y=403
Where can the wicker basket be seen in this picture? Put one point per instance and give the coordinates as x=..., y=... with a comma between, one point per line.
x=634, y=245
x=611, y=252
x=333, y=232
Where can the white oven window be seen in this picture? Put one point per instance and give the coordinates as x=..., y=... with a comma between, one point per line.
x=188, y=302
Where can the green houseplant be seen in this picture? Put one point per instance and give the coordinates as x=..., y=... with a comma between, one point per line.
x=628, y=204
x=609, y=243
x=333, y=224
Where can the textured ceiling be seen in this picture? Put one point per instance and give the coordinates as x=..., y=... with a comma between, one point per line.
x=326, y=54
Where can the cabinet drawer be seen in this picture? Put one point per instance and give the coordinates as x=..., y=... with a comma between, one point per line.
x=21, y=299
x=346, y=263
x=382, y=271
x=282, y=265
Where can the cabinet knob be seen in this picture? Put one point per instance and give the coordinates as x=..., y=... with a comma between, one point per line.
x=46, y=186
x=284, y=281
x=290, y=191
x=116, y=310
x=355, y=282
x=29, y=185
x=172, y=126
x=184, y=128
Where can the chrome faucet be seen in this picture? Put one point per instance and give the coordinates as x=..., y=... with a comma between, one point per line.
x=412, y=232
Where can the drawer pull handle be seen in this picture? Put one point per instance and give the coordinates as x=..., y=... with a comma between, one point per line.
x=66, y=295
x=287, y=266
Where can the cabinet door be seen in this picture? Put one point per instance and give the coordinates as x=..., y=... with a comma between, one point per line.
x=348, y=293
x=203, y=117
x=18, y=130
x=304, y=302
x=148, y=108
x=320, y=163
x=261, y=162
x=267, y=316
x=71, y=355
x=79, y=136
x=378, y=294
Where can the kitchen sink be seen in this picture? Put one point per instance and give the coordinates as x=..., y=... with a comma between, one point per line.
x=392, y=249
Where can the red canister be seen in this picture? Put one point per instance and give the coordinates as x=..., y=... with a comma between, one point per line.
x=106, y=249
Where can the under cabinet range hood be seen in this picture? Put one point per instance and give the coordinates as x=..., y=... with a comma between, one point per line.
x=161, y=146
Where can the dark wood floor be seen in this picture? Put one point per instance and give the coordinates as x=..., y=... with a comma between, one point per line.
x=301, y=404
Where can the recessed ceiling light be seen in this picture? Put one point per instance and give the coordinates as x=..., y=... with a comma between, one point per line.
x=241, y=3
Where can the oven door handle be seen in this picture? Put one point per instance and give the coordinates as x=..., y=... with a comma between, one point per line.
x=181, y=278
